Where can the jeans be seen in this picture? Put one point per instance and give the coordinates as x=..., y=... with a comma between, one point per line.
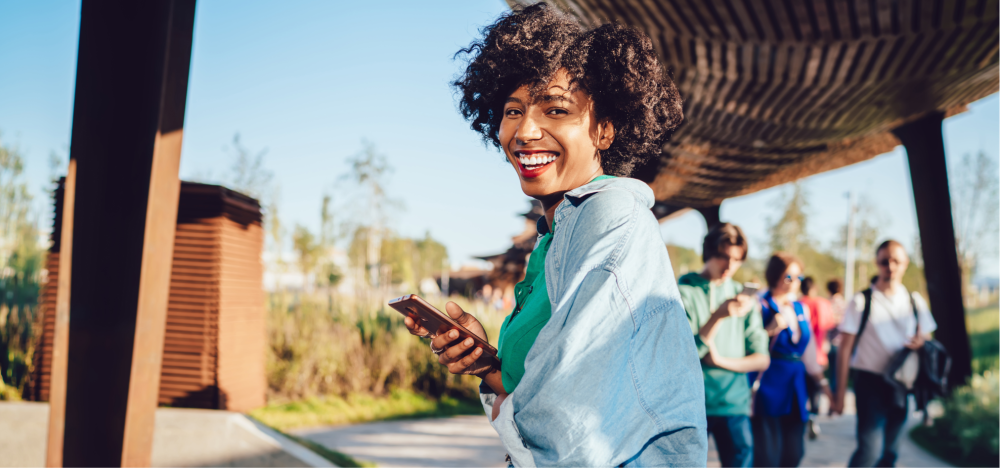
x=779, y=440
x=733, y=439
x=832, y=358
x=880, y=421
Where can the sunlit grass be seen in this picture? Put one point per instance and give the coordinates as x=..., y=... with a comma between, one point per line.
x=357, y=408
x=983, y=325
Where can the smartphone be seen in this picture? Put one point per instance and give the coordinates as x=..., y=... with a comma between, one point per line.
x=749, y=289
x=438, y=322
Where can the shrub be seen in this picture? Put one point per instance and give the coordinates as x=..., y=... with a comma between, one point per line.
x=967, y=433
x=346, y=346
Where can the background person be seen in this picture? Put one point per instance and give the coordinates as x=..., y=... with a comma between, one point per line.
x=731, y=341
x=598, y=367
x=868, y=347
x=837, y=305
x=822, y=320
x=780, y=415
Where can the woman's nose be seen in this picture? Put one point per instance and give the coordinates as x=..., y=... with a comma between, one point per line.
x=528, y=130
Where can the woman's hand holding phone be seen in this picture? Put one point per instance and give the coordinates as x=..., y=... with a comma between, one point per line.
x=453, y=352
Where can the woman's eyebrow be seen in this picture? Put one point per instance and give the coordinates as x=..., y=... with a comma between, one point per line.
x=556, y=98
x=514, y=100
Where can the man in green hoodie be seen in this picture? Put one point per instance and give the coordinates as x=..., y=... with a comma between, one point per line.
x=731, y=341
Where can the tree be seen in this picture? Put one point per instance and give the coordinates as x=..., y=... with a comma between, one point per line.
x=247, y=174
x=975, y=201
x=329, y=274
x=788, y=233
x=368, y=170
x=308, y=250
x=21, y=260
x=869, y=221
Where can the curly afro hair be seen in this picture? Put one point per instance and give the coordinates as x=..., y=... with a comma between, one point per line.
x=616, y=65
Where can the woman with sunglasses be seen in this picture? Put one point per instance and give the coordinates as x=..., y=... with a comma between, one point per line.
x=779, y=413
x=598, y=366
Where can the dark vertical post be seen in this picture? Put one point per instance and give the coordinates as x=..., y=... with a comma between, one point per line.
x=711, y=214
x=924, y=144
x=131, y=88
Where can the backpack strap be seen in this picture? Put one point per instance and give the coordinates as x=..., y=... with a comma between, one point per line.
x=913, y=304
x=867, y=312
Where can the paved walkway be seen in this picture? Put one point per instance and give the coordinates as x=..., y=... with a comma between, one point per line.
x=458, y=441
x=471, y=441
x=182, y=437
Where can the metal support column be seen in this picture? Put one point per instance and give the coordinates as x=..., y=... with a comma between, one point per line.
x=128, y=115
x=924, y=144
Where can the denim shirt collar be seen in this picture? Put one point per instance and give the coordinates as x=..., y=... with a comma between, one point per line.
x=579, y=194
x=576, y=196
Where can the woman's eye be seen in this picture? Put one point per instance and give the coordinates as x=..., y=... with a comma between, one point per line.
x=512, y=112
x=557, y=112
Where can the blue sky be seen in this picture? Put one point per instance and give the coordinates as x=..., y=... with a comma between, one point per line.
x=309, y=81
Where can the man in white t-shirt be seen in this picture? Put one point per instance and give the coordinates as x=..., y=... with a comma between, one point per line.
x=891, y=326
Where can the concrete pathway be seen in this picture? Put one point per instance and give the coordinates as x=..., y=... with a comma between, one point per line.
x=451, y=442
x=182, y=437
x=471, y=441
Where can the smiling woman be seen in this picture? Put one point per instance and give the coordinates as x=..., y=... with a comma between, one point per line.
x=597, y=365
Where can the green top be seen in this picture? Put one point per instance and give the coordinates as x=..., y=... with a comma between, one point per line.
x=727, y=393
x=531, y=312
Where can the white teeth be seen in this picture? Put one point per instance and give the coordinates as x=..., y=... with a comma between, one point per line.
x=536, y=160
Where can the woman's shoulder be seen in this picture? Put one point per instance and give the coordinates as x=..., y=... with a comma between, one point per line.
x=611, y=199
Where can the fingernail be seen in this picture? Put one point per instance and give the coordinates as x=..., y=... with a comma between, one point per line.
x=468, y=341
x=453, y=334
x=478, y=351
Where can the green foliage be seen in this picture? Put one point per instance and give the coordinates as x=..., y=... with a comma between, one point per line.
x=356, y=348
x=967, y=433
x=975, y=201
x=409, y=260
x=21, y=260
x=355, y=408
x=683, y=260
x=306, y=247
x=788, y=233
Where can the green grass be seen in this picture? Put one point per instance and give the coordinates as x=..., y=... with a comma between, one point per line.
x=330, y=411
x=983, y=325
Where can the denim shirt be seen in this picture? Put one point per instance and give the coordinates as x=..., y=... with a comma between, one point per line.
x=614, y=377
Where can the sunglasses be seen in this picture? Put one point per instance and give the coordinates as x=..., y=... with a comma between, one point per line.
x=789, y=278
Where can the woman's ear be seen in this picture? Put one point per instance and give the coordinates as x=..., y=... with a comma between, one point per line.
x=605, y=134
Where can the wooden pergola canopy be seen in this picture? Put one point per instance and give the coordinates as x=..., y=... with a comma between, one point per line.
x=779, y=90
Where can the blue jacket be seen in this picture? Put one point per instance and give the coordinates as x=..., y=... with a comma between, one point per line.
x=614, y=377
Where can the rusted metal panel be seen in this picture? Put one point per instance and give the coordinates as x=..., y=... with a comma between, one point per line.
x=216, y=290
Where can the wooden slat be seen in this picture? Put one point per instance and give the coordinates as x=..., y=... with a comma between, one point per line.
x=212, y=258
x=814, y=74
